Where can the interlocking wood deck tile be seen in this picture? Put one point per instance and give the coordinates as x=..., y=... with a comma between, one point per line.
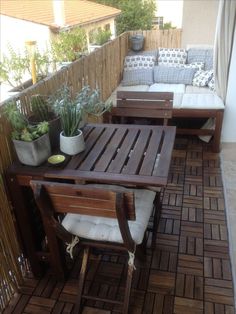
x=162, y=282
x=164, y=260
x=191, y=245
x=172, y=212
x=189, y=286
x=214, y=217
x=189, y=229
x=192, y=201
x=91, y=310
x=216, y=308
x=190, y=265
x=158, y=303
x=192, y=214
x=167, y=242
x=189, y=271
x=187, y=306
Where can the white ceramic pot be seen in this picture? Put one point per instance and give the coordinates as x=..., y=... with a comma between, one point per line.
x=72, y=145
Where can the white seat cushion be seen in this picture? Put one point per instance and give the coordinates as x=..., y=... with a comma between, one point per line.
x=161, y=87
x=202, y=101
x=177, y=89
x=135, y=88
x=190, y=89
x=107, y=229
x=131, y=88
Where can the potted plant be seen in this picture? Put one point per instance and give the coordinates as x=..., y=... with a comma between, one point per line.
x=99, y=38
x=68, y=46
x=72, y=111
x=42, y=111
x=31, y=142
x=93, y=106
x=15, y=68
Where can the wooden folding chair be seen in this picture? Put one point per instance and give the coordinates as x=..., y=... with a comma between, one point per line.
x=96, y=216
x=154, y=105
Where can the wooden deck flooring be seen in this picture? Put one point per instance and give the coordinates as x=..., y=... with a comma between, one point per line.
x=189, y=272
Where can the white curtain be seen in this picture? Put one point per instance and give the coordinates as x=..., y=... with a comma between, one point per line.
x=225, y=28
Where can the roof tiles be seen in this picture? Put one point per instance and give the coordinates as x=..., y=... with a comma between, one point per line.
x=77, y=12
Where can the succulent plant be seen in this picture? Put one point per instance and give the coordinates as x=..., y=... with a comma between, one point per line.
x=22, y=130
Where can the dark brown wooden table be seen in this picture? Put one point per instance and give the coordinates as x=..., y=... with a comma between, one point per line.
x=114, y=154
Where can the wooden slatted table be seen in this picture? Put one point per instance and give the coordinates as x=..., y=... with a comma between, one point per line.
x=114, y=154
x=124, y=154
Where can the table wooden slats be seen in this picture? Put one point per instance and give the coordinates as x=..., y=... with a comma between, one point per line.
x=127, y=152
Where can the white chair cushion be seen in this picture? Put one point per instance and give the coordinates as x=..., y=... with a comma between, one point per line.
x=202, y=101
x=177, y=89
x=107, y=229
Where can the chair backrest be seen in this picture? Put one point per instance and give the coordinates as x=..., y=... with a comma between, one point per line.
x=53, y=197
x=84, y=200
x=144, y=104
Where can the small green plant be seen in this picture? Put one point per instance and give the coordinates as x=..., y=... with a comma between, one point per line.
x=168, y=26
x=13, y=68
x=72, y=109
x=43, y=61
x=101, y=36
x=22, y=130
x=69, y=44
x=92, y=103
x=69, y=110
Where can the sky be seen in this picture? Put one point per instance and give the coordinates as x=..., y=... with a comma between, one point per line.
x=171, y=10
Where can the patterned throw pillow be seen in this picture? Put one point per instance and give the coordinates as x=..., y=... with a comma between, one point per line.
x=211, y=83
x=139, y=62
x=201, y=78
x=152, y=53
x=173, y=75
x=195, y=65
x=172, y=56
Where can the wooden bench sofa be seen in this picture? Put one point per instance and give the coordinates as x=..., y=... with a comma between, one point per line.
x=173, y=70
x=210, y=107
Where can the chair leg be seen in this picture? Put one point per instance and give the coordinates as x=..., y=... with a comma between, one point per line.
x=157, y=213
x=81, y=280
x=128, y=289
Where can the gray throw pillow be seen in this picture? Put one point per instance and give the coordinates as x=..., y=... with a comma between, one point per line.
x=201, y=55
x=138, y=77
x=173, y=75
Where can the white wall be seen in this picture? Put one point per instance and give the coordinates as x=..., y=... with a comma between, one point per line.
x=199, y=21
x=16, y=32
x=229, y=124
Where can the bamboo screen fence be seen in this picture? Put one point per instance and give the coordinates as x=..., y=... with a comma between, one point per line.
x=101, y=69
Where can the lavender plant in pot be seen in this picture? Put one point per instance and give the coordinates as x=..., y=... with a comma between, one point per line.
x=73, y=112
x=70, y=110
